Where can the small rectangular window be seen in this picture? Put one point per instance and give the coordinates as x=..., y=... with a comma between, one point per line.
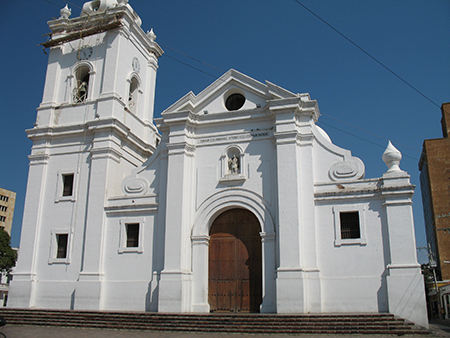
x=350, y=225
x=3, y=208
x=2, y=218
x=67, y=184
x=61, y=240
x=4, y=198
x=132, y=235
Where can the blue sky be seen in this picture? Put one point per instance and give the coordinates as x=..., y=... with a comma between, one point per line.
x=362, y=104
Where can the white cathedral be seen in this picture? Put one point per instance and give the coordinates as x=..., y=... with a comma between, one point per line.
x=234, y=200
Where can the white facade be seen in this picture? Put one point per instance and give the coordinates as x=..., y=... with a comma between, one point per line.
x=267, y=157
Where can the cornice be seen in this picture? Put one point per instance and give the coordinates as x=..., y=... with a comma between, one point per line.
x=92, y=127
x=119, y=17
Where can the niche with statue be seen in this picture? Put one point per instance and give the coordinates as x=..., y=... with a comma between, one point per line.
x=232, y=165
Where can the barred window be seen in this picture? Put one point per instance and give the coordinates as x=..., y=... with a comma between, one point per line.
x=350, y=225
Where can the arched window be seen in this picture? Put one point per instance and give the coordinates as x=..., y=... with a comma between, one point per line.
x=133, y=94
x=81, y=85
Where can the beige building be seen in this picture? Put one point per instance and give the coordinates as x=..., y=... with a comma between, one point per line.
x=7, y=202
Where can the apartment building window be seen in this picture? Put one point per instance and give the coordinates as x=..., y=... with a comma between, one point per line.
x=4, y=198
x=3, y=208
x=349, y=225
x=2, y=218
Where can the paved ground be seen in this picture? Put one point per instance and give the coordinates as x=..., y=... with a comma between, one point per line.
x=439, y=328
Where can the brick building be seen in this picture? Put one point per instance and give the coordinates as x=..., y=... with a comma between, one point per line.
x=434, y=169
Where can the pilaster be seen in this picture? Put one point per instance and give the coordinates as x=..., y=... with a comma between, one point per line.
x=200, y=248
x=290, y=288
x=88, y=289
x=22, y=287
x=175, y=285
x=405, y=285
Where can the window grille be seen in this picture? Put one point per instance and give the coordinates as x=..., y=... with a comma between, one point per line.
x=350, y=225
x=235, y=101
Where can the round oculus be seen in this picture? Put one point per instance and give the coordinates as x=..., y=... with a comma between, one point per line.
x=135, y=64
x=84, y=53
x=235, y=101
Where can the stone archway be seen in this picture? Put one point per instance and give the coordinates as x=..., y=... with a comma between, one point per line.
x=235, y=263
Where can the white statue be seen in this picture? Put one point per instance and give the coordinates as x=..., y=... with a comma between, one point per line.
x=233, y=164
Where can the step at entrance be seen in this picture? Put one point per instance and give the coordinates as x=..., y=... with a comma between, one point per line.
x=243, y=323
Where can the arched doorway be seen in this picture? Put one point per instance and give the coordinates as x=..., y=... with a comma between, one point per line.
x=235, y=264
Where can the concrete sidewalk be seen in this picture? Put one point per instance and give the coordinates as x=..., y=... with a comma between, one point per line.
x=438, y=329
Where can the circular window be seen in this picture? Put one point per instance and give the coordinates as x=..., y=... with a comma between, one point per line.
x=235, y=101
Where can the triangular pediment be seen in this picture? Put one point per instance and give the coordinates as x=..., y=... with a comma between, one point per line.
x=212, y=100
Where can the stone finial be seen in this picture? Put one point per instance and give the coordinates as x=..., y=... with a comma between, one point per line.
x=151, y=35
x=65, y=12
x=392, y=158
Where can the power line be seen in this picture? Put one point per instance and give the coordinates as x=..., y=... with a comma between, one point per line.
x=191, y=57
x=337, y=31
x=186, y=64
x=50, y=2
x=70, y=3
x=367, y=131
x=368, y=54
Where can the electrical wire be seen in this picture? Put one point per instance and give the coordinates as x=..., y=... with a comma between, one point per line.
x=337, y=31
x=50, y=2
x=188, y=65
x=321, y=122
x=367, y=131
x=368, y=54
x=191, y=57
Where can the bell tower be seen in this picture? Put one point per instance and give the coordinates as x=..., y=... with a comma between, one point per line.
x=94, y=125
x=101, y=64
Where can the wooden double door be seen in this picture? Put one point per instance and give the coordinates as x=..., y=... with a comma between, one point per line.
x=235, y=264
